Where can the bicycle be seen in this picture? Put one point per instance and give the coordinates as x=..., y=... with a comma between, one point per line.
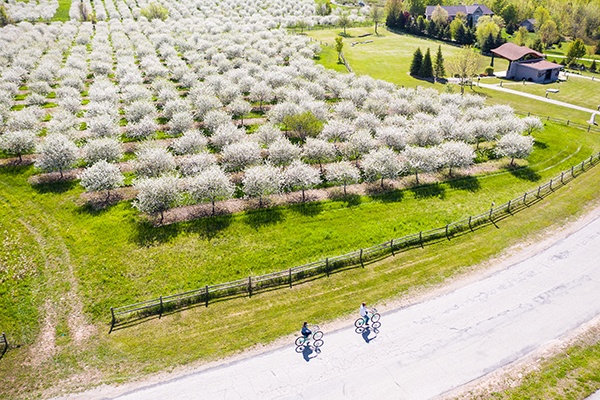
x=316, y=336
x=374, y=317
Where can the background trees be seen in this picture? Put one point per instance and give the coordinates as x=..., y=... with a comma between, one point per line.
x=18, y=143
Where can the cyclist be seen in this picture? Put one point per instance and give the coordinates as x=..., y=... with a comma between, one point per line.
x=305, y=331
x=364, y=312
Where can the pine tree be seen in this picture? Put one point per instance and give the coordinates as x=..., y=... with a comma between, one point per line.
x=499, y=40
x=415, y=66
x=593, y=67
x=488, y=44
x=426, y=70
x=439, y=69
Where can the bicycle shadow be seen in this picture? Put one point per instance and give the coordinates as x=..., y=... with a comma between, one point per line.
x=308, y=352
x=369, y=333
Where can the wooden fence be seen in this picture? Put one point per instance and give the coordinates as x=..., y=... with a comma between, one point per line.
x=286, y=278
x=587, y=127
x=4, y=344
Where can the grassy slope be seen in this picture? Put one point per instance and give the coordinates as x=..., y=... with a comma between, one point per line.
x=117, y=260
x=62, y=12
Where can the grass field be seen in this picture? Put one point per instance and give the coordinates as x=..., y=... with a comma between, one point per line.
x=62, y=12
x=114, y=258
x=390, y=54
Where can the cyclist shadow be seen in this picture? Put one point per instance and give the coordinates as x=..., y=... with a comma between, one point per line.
x=308, y=352
x=369, y=333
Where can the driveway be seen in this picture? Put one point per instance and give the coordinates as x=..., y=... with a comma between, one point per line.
x=483, y=323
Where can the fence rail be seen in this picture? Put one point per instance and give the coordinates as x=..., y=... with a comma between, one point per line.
x=4, y=343
x=247, y=286
x=586, y=127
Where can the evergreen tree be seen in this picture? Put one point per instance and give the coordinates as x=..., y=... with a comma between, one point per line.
x=499, y=40
x=426, y=70
x=488, y=44
x=401, y=21
x=537, y=45
x=439, y=69
x=597, y=49
x=593, y=67
x=461, y=34
x=415, y=66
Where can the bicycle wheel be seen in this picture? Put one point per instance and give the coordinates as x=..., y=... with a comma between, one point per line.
x=359, y=322
x=317, y=335
x=300, y=341
x=318, y=343
x=375, y=317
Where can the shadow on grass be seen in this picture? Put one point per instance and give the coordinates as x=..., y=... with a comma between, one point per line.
x=60, y=186
x=525, y=173
x=468, y=183
x=146, y=234
x=429, y=191
x=309, y=209
x=540, y=145
x=263, y=217
x=209, y=228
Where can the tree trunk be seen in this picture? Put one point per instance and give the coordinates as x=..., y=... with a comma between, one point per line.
x=512, y=162
x=345, y=194
x=417, y=175
x=450, y=172
x=303, y=195
x=162, y=216
x=213, y=207
x=382, y=182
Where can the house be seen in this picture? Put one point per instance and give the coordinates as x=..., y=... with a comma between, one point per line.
x=527, y=64
x=472, y=12
x=528, y=24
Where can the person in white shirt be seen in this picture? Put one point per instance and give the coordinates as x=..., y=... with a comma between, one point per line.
x=364, y=312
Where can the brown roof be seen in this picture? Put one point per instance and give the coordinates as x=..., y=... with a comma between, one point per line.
x=512, y=52
x=540, y=65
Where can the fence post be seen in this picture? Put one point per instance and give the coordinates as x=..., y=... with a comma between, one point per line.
x=206, y=298
x=112, y=321
x=392, y=246
x=568, y=122
x=525, y=198
x=491, y=210
x=327, y=266
x=361, y=260
x=550, y=184
x=508, y=208
x=290, y=275
x=5, y=343
x=447, y=231
x=538, y=193
x=160, y=312
x=421, y=238
x=572, y=171
x=470, y=227
x=249, y=286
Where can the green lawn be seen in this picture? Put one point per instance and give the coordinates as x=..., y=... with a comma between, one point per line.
x=116, y=259
x=388, y=56
x=62, y=12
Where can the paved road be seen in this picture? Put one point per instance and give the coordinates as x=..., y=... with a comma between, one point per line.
x=424, y=350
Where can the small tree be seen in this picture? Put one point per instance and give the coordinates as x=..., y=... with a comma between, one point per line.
x=240, y=107
x=101, y=176
x=424, y=159
x=438, y=69
x=549, y=33
x=532, y=124
x=417, y=61
x=239, y=155
x=211, y=185
x=153, y=161
x=300, y=176
x=155, y=11
x=344, y=21
x=283, y=152
x=576, y=50
x=426, y=70
x=376, y=16
x=262, y=93
x=381, y=164
x=343, y=173
x=56, y=153
x=157, y=195
x=318, y=150
x=465, y=65
x=107, y=149
x=521, y=36
x=18, y=143
x=514, y=145
x=191, y=142
x=303, y=125
x=339, y=46
x=456, y=155
x=260, y=181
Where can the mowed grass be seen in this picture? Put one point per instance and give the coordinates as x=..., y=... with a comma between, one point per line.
x=115, y=259
x=62, y=12
x=388, y=56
